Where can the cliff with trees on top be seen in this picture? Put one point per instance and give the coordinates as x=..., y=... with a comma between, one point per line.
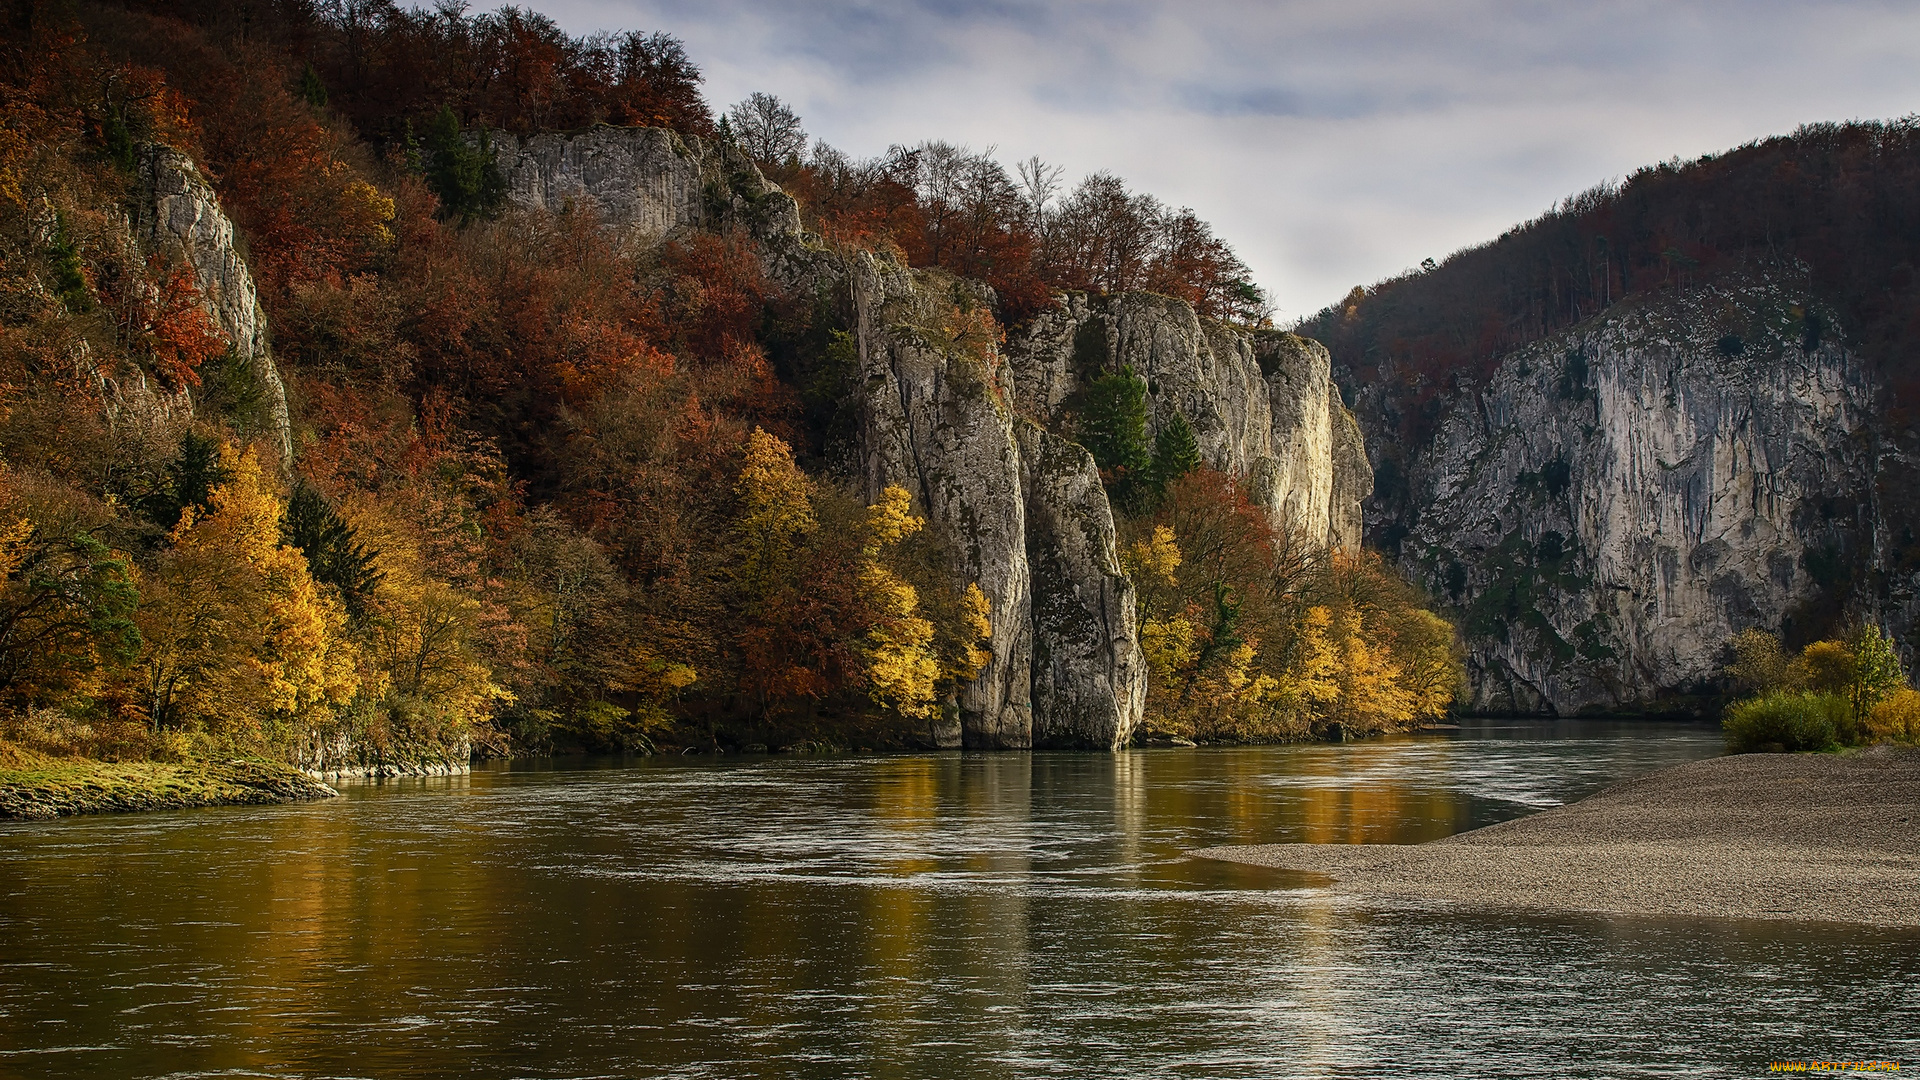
x=391, y=386
x=1671, y=410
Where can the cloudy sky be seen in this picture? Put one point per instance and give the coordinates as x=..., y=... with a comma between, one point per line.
x=1332, y=142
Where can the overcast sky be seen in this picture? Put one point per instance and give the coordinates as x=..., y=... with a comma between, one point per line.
x=1332, y=142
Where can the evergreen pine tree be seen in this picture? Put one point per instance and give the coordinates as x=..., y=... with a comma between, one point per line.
x=334, y=555
x=312, y=89
x=1175, y=453
x=1113, y=426
x=465, y=177
x=191, y=478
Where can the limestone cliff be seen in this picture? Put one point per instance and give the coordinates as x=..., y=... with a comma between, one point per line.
x=1023, y=512
x=931, y=421
x=1261, y=403
x=179, y=216
x=932, y=418
x=1089, y=675
x=938, y=411
x=1615, y=502
x=650, y=182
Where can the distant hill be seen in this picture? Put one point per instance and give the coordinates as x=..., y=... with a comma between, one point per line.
x=1844, y=199
x=1669, y=410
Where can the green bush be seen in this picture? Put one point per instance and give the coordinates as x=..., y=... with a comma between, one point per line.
x=1784, y=723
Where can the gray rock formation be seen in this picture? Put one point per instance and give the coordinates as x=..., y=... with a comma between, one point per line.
x=932, y=422
x=1617, y=501
x=179, y=215
x=1352, y=482
x=1022, y=509
x=1261, y=403
x=339, y=754
x=1089, y=675
x=650, y=182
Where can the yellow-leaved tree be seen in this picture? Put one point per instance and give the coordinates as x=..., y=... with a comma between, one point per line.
x=1166, y=636
x=1371, y=656
x=239, y=640
x=902, y=665
x=434, y=683
x=776, y=510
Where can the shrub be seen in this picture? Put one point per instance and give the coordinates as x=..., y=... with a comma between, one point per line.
x=1760, y=665
x=1896, y=718
x=1784, y=723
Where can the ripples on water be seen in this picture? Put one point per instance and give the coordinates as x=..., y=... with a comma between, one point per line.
x=943, y=915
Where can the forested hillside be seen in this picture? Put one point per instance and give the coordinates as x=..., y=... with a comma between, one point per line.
x=1842, y=200
x=475, y=475
x=1671, y=410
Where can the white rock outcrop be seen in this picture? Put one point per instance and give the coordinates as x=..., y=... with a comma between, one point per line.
x=1089, y=674
x=179, y=215
x=1261, y=404
x=1023, y=513
x=1618, y=501
x=650, y=182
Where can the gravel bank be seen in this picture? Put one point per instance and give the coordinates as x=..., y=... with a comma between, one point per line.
x=1769, y=836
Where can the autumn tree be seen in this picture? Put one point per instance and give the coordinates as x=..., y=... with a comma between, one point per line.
x=67, y=599
x=901, y=663
x=768, y=130
x=1249, y=632
x=1760, y=665
x=427, y=637
x=237, y=635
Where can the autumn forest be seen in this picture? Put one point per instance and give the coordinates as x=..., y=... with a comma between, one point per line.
x=538, y=488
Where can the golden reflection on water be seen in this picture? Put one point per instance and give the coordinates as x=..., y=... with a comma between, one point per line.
x=944, y=914
x=1394, y=808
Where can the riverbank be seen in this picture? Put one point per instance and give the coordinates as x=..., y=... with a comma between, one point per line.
x=39, y=787
x=1826, y=837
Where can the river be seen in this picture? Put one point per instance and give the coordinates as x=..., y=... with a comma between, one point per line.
x=990, y=915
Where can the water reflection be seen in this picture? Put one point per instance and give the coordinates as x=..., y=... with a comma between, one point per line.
x=987, y=915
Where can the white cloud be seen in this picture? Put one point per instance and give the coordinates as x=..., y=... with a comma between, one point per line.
x=1332, y=142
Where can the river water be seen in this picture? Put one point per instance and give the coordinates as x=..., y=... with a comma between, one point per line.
x=995, y=915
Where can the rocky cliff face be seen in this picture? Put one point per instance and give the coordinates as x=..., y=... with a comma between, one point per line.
x=932, y=421
x=650, y=182
x=1261, y=403
x=1089, y=675
x=1615, y=502
x=938, y=413
x=178, y=215
x=1024, y=505
x=1022, y=510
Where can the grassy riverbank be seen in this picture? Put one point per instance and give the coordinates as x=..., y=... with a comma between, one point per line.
x=38, y=786
x=1826, y=837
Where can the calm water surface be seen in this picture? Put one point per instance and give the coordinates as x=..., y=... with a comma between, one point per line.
x=982, y=915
